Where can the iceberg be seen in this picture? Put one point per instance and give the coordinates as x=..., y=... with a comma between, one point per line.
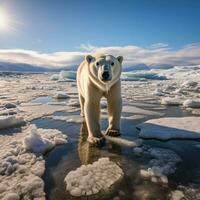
x=64, y=76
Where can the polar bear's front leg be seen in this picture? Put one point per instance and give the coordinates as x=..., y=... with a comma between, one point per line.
x=114, y=110
x=92, y=117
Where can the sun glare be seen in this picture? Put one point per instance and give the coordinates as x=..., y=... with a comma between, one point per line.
x=3, y=20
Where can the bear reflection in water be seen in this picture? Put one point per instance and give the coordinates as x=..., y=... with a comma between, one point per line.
x=88, y=153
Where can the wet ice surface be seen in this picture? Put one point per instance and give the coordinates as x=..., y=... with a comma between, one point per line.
x=36, y=104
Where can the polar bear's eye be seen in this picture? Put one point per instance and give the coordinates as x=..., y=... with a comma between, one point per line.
x=112, y=63
x=97, y=63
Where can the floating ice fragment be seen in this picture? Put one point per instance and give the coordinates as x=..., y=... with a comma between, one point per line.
x=42, y=140
x=11, y=121
x=61, y=95
x=162, y=164
x=93, y=178
x=192, y=103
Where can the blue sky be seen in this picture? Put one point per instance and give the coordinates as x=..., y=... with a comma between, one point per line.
x=63, y=25
x=60, y=32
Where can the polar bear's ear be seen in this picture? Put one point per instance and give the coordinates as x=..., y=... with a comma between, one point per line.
x=89, y=58
x=120, y=59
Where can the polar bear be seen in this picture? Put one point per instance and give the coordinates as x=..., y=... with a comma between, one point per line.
x=99, y=76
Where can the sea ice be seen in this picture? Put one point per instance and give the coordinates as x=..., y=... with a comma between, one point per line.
x=170, y=101
x=137, y=110
x=42, y=140
x=64, y=76
x=192, y=103
x=11, y=121
x=61, y=95
x=67, y=75
x=189, y=84
x=54, y=77
x=177, y=195
x=162, y=164
x=20, y=169
x=159, y=92
x=98, y=177
x=171, y=128
x=69, y=119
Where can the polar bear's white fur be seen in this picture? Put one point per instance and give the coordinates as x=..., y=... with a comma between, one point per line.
x=99, y=76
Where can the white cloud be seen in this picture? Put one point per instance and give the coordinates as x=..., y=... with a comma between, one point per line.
x=159, y=53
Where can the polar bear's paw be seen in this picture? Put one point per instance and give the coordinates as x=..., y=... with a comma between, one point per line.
x=113, y=133
x=97, y=141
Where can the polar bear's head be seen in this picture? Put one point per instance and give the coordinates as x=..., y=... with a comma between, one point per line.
x=105, y=68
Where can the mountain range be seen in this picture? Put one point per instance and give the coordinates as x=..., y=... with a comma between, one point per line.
x=21, y=67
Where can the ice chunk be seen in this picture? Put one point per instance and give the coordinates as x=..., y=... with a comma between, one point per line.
x=69, y=119
x=188, y=84
x=93, y=178
x=61, y=95
x=171, y=101
x=192, y=103
x=159, y=92
x=171, y=128
x=11, y=121
x=162, y=164
x=177, y=195
x=39, y=142
x=10, y=105
x=54, y=77
x=67, y=76
x=64, y=76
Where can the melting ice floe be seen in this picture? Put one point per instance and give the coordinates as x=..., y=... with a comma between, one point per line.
x=175, y=101
x=10, y=121
x=69, y=119
x=163, y=163
x=20, y=169
x=61, y=95
x=171, y=128
x=95, y=178
x=192, y=103
x=42, y=140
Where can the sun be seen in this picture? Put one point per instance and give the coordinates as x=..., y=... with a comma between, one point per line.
x=4, y=22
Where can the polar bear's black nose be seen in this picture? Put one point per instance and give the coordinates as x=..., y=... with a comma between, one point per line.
x=105, y=75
